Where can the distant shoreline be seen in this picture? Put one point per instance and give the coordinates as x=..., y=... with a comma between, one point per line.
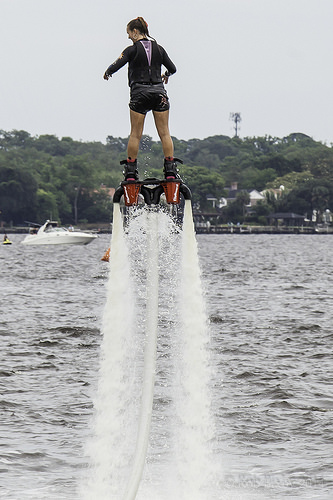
x=223, y=229
x=264, y=230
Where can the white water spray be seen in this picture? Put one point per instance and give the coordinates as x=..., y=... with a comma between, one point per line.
x=149, y=358
x=124, y=404
x=193, y=402
x=110, y=446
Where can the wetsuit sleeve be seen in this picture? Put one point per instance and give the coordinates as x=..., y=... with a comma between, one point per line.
x=123, y=59
x=167, y=61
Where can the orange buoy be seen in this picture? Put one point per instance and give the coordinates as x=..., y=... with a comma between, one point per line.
x=106, y=256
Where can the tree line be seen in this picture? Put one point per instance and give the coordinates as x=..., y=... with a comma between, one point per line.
x=44, y=177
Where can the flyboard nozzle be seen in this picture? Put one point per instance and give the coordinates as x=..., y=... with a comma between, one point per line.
x=130, y=190
x=131, y=193
x=171, y=191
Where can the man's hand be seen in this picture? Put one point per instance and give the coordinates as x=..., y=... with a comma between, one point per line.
x=106, y=77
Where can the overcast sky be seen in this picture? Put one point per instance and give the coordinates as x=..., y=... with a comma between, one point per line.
x=270, y=60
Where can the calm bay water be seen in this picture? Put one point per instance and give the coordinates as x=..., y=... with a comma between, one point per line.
x=269, y=300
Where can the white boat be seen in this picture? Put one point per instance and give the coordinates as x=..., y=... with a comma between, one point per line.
x=51, y=234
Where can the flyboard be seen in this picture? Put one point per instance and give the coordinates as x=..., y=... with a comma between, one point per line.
x=151, y=190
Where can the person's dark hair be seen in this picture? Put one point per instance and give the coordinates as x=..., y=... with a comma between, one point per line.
x=140, y=24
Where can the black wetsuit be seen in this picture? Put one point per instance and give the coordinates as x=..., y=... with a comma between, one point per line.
x=145, y=59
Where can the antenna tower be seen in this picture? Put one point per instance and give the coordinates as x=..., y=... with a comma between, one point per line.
x=236, y=118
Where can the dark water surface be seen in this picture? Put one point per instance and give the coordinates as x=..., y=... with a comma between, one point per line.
x=270, y=302
x=269, y=299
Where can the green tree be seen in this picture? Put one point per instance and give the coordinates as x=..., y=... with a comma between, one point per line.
x=79, y=181
x=314, y=194
x=320, y=197
x=18, y=193
x=202, y=183
x=46, y=206
x=45, y=170
x=99, y=208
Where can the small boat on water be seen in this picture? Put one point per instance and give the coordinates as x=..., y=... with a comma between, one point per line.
x=51, y=234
